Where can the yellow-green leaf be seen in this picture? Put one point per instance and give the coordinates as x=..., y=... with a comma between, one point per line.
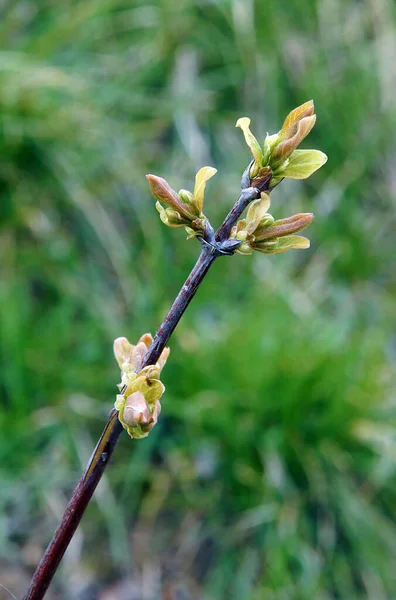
x=255, y=148
x=297, y=242
x=201, y=178
x=302, y=163
x=257, y=211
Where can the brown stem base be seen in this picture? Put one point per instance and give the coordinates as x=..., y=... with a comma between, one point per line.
x=74, y=511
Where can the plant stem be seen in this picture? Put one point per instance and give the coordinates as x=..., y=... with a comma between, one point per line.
x=113, y=429
x=206, y=259
x=74, y=511
x=247, y=195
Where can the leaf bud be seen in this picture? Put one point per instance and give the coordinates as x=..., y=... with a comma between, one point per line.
x=186, y=197
x=278, y=245
x=283, y=227
x=138, y=406
x=135, y=414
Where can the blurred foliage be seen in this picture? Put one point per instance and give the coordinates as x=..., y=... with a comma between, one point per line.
x=272, y=471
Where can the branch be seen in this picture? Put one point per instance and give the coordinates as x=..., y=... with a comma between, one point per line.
x=276, y=160
x=212, y=247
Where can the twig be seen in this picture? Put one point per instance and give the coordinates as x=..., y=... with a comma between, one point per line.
x=211, y=249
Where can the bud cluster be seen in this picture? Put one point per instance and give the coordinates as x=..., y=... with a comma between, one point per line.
x=184, y=208
x=139, y=403
x=279, y=157
x=259, y=231
x=278, y=154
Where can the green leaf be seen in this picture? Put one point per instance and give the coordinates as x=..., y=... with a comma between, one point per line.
x=302, y=163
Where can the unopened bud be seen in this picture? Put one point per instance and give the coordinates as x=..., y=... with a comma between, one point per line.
x=175, y=218
x=284, y=227
x=137, y=412
x=164, y=193
x=147, y=339
x=291, y=139
x=186, y=197
x=304, y=110
x=122, y=351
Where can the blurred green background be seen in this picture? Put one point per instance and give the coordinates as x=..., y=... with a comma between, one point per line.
x=271, y=474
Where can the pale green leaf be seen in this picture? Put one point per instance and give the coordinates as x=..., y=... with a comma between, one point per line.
x=200, y=182
x=255, y=148
x=257, y=211
x=297, y=242
x=302, y=163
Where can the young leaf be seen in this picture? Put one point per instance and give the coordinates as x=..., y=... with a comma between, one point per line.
x=302, y=163
x=257, y=211
x=255, y=148
x=292, y=138
x=305, y=110
x=200, y=182
x=288, y=242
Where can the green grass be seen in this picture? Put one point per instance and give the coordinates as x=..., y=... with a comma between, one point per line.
x=272, y=472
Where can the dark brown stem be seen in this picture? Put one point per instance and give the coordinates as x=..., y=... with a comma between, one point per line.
x=113, y=429
x=207, y=257
x=74, y=511
x=247, y=195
